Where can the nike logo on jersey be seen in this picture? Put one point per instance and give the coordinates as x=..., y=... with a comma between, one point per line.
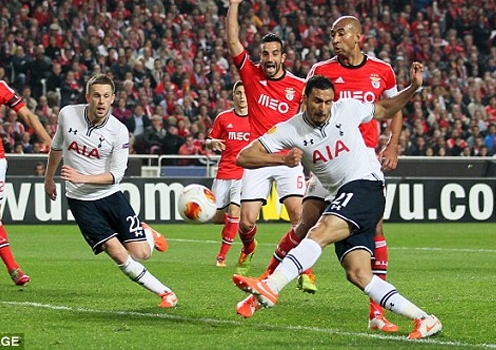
x=339, y=80
x=263, y=82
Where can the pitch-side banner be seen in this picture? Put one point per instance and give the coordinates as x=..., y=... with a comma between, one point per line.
x=154, y=199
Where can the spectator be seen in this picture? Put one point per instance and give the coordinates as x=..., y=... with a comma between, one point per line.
x=154, y=135
x=121, y=67
x=490, y=139
x=21, y=63
x=138, y=122
x=25, y=140
x=172, y=143
x=491, y=110
x=71, y=91
x=39, y=169
x=54, y=84
x=28, y=100
x=189, y=149
x=476, y=105
x=40, y=69
x=121, y=111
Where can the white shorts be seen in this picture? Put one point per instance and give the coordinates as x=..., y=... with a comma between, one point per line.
x=3, y=172
x=226, y=192
x=315, y=190
x=257, y=183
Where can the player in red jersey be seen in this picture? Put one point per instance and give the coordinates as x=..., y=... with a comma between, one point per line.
x=9, y=98
x=356, y=75
x=273, y=96
x=229, y=134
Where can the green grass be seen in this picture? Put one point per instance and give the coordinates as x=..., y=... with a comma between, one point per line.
x=79, y=301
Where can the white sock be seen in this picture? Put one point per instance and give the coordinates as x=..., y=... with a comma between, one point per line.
x=150, y=240
x=139, y=274
x=388, y=297
x=298, y=260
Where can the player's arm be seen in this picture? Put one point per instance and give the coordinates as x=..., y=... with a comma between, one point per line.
x=389, y=107
x=118, y=166
x=255, y=155
x=68, y=173
x=390, y=152
x=215, y=144
x=54, y=159
x=33, y=122
x=232, y=27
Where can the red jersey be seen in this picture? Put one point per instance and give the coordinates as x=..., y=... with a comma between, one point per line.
x=367, y=82
x=234, y=130
x=10, y=98
x=270, y=101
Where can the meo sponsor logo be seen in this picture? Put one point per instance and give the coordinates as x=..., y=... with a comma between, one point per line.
x=364, y=96
x=272, y=103
x=239, y=136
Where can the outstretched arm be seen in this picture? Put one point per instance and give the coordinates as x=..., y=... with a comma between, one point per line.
x=389, y=107
x=232, y=26
x=256, y=156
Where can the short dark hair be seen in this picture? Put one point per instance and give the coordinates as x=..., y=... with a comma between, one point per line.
x=237, y=84
x=100, y=79
x=271, y=37
x=318, y=82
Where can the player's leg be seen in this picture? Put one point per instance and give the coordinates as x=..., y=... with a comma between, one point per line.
x=15, y=272
x=379, y=264
x=227, y=196
x=359, y=200
x=255, y=187
x=122, y=238
x=138, y=273
x=358, y=271
x=291, y=186
x=329, y=229
x=154, y=238
x=311, y=210
x=247, y=230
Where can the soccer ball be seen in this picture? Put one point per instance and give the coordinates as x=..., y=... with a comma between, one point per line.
x=196, y=204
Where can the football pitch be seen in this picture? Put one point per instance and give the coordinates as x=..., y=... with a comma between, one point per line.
x=79, y=301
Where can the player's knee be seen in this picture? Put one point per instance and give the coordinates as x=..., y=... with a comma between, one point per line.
x=358, y=277
x=140, y=254
x=302, y=228
x=218, y=218
x=246, y=225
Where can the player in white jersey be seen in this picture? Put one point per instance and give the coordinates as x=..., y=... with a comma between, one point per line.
x=327, y=140
x=95, y=148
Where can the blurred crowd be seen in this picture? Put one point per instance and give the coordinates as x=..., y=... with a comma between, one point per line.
x=174, y=75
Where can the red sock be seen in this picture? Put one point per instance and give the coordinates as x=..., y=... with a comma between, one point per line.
x=379, y=267
x=248, y=239
x=228, y=234
x=5, y=252
x=287, y=242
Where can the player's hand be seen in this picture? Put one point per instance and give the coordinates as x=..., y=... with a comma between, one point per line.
x=293, y=157
x=389, y=157
x=235, y=2
x=51, y=189
x=416, y=74
x=44, y=148
x=67, y=173
x=218, y=145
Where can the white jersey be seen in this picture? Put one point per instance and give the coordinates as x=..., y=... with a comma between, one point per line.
x=91, y=149
x=335, y=152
